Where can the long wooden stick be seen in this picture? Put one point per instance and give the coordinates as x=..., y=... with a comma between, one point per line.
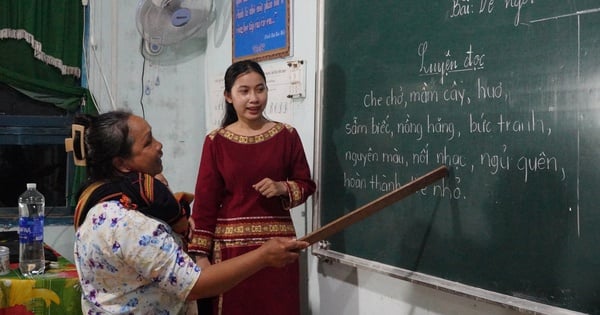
x=375, y=205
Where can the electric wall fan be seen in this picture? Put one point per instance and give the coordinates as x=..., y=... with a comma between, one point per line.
x=173, y=30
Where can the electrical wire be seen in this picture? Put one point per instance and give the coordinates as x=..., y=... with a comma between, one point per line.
x=85, y=53
x=142, y=79
x=93, y=52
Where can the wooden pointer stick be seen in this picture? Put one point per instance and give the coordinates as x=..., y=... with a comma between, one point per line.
x=375, y=205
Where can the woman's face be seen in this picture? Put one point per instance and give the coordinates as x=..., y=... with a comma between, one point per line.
x=146, y=152
x=248, y=96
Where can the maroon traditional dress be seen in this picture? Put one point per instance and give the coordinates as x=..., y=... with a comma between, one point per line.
x=231, y=218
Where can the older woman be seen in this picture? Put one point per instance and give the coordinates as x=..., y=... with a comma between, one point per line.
x=130, y=262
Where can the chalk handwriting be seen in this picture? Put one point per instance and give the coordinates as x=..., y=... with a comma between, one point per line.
x=464, y=8
x=387, y=118
x=471, y=60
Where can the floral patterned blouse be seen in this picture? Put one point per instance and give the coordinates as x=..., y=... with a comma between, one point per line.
x=129, y=263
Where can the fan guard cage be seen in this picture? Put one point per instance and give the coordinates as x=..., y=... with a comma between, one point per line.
x=168, y=22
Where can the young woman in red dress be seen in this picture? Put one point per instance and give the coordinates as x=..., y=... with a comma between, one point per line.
x=253, y=171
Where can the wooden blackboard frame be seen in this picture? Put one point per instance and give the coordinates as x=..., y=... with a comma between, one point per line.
x=456, y=288
x=322, y=251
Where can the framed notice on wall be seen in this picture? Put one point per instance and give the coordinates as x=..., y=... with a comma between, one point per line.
x=261, y=29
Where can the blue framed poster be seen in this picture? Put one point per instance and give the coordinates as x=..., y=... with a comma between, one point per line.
x=261, y=29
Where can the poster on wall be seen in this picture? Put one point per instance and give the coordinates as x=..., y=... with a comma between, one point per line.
x=261, y=29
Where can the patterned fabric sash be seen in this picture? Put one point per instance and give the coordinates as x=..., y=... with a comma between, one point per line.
x=138, y=191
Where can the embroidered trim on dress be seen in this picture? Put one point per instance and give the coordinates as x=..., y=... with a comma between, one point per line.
x=200, y=243
x=251, y=139
x=295, y=193
x=244, y=230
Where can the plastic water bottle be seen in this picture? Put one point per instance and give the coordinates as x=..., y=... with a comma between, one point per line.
x=31, y=231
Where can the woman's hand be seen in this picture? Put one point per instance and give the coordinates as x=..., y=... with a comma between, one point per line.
x=270, y=188
x=218, y=278
x=202, y=261
x=278, y=251
x=192, y=227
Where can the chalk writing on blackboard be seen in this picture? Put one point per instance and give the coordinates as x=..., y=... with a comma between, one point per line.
x=505, y=93
x=461, y=8
x=391, y=123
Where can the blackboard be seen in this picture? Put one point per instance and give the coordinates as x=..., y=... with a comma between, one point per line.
x=507, y=95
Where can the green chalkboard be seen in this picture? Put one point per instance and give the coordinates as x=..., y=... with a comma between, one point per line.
x=507, y=95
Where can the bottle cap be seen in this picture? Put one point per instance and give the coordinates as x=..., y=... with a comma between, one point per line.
x=31, y=185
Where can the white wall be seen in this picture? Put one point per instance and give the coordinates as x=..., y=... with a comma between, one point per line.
x=119, y=77
x=176, y=110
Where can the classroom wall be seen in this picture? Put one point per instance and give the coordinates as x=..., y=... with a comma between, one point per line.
x=175, y=107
